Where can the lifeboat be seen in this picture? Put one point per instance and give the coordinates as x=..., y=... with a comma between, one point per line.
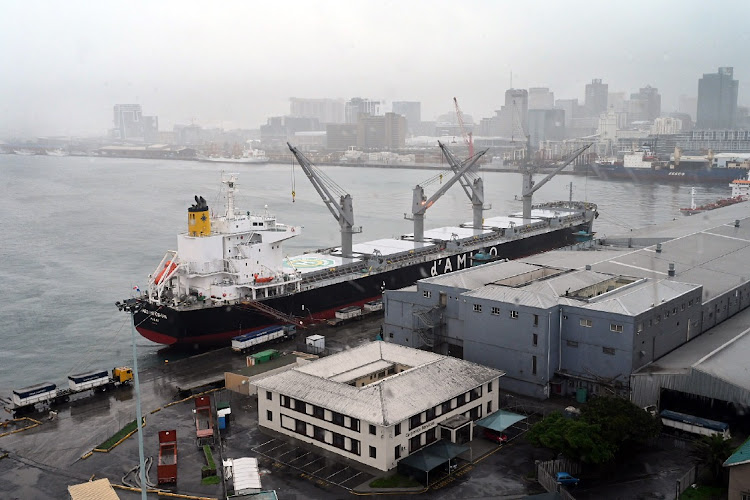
x=169, y=266
x=259, y=279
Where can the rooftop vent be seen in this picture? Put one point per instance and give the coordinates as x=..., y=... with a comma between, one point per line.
x=671, y=269
x=658, y=248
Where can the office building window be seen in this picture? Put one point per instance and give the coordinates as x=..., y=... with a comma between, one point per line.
x=536, y=320
x=430, y=435
x=608, y=350
x=571, y=343
x=427, y=294
x=397, y=452
x=489, y=407
x=415, y=421
x=615, y=328
x=269, y=415
x=495, y=311
x=586, y=323
x=398, y=429
x=514, y=314
x=489, y=387
x=373, y=452
x=534, y=339
x=269, y=395
x=533, y=365
x=372, y=429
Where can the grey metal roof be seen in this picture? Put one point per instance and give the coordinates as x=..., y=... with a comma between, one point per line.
x=517, y=296
x=640, y=297
x=475, y=277
x=713, y=364
x=432, y=380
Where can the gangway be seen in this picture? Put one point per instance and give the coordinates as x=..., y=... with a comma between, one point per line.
x=273, y=313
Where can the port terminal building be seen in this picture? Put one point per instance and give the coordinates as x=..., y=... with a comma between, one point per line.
x=379, y=403
x=592, y=322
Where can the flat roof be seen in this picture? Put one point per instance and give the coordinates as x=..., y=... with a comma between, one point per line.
x=390, y=400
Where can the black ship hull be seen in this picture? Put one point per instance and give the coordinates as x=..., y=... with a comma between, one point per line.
x=218, y=324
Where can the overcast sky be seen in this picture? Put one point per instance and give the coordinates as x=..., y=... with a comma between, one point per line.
x=63, y=65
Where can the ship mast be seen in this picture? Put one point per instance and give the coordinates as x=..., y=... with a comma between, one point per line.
x=231, y=184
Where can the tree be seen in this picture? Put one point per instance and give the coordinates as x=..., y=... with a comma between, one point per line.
x=606, y=429
x=713, y=451
x=575, y=439
x=621, y=422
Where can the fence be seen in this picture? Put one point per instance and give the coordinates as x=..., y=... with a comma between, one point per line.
x=546, y=471
x=685, y=481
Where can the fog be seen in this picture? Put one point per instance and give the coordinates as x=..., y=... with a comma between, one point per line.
x=233, y=64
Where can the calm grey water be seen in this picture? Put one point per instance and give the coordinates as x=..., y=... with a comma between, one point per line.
x=79, y=233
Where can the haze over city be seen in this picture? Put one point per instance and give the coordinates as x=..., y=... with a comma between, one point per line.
x=234, y=64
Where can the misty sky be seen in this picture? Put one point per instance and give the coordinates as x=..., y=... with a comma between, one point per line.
x=232, y=64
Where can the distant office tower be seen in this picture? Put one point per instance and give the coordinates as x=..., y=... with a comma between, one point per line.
x=513, y=116
x=412, y=110
x=357, y=106
x=717, y=100
x=130, y=124
x=325, y=110
x=666, y=126
x=541, y=98
x=572, y=109
x=546, y=125
x=616, y=101
x=688, y=105
x=381, y=132
x=649, y=104
x=596, y=97
x=341, y=136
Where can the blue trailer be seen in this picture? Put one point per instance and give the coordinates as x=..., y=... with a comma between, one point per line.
x=693, y=424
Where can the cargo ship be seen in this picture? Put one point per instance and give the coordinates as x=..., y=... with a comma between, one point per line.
x=229, y=275
x=700, y=169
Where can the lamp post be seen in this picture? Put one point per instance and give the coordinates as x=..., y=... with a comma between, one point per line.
x=139, y=419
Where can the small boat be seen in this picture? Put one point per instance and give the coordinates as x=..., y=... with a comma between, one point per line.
x=169, y=266
x=24, y=152
x=725, y=202
x=57, y=152
x=262, y=279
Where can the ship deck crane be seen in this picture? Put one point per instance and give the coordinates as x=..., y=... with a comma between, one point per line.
x=529, y=187
x=472, y=184
x=420, y=202
x=342, y=210
x=468, y=139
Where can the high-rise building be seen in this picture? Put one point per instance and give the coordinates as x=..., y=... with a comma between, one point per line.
x=649, y=107
x=688, y=105
x=358, y=106
x=325, y=110
x=381, y=132
x=412, y=110
x=512, y=118
x=572, y=109
x=717, y=100
x=131, y=125
x=596, y=97
x=546, y=125
x=541, y=98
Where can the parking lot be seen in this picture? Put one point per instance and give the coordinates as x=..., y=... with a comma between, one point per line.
x=313, y=464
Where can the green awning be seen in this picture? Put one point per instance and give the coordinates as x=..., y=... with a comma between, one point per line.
x=500, y=420
x=433, y=455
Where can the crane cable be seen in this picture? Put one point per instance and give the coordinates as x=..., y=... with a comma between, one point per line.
x=293, y=181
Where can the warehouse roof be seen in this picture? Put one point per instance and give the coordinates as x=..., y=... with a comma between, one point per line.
x=475, y=277
x=390, y=400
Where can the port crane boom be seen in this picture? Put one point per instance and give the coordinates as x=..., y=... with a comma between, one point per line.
x=529, y=187
x=342, y=210
x=467, y=136
x=472, y=184
x=420, y=202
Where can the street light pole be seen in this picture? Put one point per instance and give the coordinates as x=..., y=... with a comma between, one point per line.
x=139, y=418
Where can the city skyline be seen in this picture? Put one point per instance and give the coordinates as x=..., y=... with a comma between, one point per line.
x=67, y=65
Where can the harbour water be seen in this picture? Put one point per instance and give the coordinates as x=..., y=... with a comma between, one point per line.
x=79, y=233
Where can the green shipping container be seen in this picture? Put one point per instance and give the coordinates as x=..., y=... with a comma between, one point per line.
x=581, y=394
x=267, y=355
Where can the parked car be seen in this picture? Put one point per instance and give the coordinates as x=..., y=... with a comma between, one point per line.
x=498, y=438
x=566, y=479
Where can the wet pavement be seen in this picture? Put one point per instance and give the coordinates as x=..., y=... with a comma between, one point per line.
x=43, y=461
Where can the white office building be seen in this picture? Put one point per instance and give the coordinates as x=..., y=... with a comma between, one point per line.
x=379, y=402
